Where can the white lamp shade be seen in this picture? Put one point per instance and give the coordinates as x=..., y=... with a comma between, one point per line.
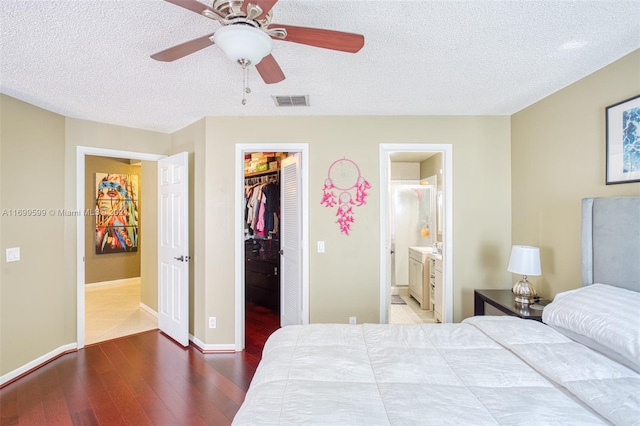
x=243, y=42
x=525, y=260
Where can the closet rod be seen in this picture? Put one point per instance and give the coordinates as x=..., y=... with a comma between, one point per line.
x=260, y=179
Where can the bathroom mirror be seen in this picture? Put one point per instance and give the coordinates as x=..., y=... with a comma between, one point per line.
x=439, y=210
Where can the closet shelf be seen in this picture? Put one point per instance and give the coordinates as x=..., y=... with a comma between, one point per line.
x=266, y=172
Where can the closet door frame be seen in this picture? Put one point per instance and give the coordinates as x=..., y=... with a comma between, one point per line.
x=241, y=149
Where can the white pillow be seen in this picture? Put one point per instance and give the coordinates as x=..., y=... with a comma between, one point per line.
x=600, y=316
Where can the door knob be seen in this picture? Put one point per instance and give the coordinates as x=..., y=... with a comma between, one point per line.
x=183, y=258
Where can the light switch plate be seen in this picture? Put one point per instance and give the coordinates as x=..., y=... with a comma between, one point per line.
x=13, y=254
x=320, y=246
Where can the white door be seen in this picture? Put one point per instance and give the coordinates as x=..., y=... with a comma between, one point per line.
x=290, y=247
x=173, y=247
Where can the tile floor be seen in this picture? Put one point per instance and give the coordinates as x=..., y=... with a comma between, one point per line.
x=411, y=313
x=113, y=311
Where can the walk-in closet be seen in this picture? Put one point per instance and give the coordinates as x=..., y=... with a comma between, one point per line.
x=261, y=231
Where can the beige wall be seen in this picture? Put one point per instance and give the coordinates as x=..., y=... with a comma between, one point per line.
x=400, y=170
x=432, y=166
x=33, y=296
x=191, y=139
x=112, y=266
x=344, y=281
x=38, y=170
x=149, y=236
x=558, y=158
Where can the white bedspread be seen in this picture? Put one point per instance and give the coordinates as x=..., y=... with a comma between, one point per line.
x=458, y=374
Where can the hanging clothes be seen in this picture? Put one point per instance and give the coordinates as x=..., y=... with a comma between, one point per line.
x=262, y=208
x=272, y=206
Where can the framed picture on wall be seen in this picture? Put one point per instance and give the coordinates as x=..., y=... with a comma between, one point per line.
x=117, y=213
x=623, y=141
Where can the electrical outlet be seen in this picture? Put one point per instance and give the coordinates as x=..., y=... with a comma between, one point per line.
x=212, y=322
x=352, y=320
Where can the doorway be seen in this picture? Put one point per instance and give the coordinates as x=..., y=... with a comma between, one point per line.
x=113, y=264
x=299, y=151
x=438, y=229
x=81, y=154
x=262, y=238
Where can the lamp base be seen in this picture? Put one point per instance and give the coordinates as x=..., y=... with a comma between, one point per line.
x=524, y=291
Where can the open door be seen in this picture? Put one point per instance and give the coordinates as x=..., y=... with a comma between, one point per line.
x=290, y=248
x=173, y=247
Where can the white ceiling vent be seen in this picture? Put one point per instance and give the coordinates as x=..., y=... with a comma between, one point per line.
x=291, y=101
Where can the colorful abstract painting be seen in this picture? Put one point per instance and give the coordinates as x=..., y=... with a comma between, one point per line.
x=116, y=213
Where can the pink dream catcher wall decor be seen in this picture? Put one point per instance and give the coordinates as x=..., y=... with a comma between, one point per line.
x=346, y=188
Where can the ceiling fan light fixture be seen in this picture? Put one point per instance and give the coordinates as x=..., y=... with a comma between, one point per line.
x=243, y=42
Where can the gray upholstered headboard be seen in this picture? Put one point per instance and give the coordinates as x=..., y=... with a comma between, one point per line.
x=611, y=241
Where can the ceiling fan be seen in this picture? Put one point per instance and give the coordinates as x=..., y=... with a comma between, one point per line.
x=247, y=32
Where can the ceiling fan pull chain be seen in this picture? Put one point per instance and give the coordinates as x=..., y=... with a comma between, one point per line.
x=245, y=79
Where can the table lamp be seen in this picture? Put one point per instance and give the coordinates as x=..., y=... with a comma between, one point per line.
x=524, y=260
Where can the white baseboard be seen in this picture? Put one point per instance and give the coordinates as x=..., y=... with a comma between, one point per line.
x=148, y=310
x=37, y=362
x=403, y=290
x=132, y=280
x=212, y=348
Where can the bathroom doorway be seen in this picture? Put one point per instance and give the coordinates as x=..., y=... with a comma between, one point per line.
x=416, y=163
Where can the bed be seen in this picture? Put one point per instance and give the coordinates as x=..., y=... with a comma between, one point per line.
x=485, y=370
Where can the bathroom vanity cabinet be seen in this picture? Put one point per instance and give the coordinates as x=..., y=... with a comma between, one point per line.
x=419, y=276
x=436, y=277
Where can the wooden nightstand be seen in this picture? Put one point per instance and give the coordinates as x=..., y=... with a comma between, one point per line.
x=505, y=302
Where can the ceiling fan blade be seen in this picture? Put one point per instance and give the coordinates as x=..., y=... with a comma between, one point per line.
x=269, y=70
x=265, y=5
x=182, y=50
x=192, y=5
x=328, y=39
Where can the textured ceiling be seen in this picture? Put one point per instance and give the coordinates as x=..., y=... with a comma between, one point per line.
x=90, y=59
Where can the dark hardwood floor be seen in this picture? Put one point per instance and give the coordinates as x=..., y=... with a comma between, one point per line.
x=144, y=379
